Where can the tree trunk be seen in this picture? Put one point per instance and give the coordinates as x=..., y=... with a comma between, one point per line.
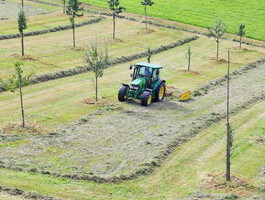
x=63, y=6
x=21, y=102
x=113, y=26
x=227, y=126
x=189, y=60
x=22, y=3
x=74, y=32
x=145, y=18
x=96, y=88
x=217, y=50
x=22, y=42
x=240, y=41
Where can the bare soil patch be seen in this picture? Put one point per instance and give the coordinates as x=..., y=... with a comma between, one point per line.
x=10, y=10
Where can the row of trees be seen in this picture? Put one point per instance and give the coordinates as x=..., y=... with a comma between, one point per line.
x=74, y=10
x=216, y=31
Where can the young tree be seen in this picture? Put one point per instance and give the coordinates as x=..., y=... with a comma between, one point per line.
x=146, y=3
x=149, y=55
x=22, y=25
x=229, y=131
x=15, y=83
x=97, y=60
x=73, y=9
x=240, y=32
x=188, y=56
x=114, y=5
x=217, y=30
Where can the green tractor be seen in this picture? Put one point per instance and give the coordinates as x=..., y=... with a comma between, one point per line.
x=146, y=84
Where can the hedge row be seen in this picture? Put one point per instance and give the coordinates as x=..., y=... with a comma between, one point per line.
x=27, y=195
x=54, y=29
x=115, y=61
x=47, y=3
x=173, y=27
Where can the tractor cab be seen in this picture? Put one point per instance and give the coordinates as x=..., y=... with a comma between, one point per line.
x=146, y=71
x=146, y=84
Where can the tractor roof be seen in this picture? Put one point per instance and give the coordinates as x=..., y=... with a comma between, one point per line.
x=149, y=65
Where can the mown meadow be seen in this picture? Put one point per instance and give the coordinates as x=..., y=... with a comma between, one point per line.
x=48, y=105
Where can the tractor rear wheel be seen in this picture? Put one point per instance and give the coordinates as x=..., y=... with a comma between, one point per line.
x=122, y=95
x=160, y=92
x=146, y=98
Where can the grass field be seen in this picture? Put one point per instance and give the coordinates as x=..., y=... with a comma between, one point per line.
x=190, y=168
x=200, y=13
x=199, y=164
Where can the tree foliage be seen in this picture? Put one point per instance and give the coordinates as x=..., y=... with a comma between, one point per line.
x=114, y=6
x=22, y=25
x=149, y=54
x=217, y=30
x=73, y=9
x=146, y=3
x=97, y=60
x=240, y=31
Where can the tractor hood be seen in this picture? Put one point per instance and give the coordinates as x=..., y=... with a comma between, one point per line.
x=138, y=81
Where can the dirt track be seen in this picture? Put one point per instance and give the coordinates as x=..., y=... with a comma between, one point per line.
x=120, y=142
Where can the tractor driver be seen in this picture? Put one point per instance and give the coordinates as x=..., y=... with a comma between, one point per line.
x=148, y=71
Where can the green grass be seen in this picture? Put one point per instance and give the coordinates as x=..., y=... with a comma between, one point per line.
x=56, y=53
x=40, y=22
x=62, y=100
x=185, y=171
x=200, y=13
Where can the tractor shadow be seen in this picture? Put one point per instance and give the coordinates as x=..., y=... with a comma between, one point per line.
x=167, y=105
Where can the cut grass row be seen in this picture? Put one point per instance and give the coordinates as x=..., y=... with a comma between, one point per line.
x=205, y=153
x=54, y=52
x=202, y=13
x=59, y=101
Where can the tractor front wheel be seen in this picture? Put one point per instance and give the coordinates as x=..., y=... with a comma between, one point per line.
x=146, y=98
x=122, y=95
x=160, y=92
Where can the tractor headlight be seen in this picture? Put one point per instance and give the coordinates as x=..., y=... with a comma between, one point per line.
x=134, y=87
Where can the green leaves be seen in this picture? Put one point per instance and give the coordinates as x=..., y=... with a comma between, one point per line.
x=16, y=78
x=114, y=5
x=96, y=58
x=217, y=30
x=240, y=31
x=73, y=8
x=147, y=3
x=22, y=20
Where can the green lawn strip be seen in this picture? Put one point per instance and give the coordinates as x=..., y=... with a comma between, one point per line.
x=57, y=52
x=184, y=171
x=13, y=144
x=37, y=24
x=62, y=100
x=202, y=13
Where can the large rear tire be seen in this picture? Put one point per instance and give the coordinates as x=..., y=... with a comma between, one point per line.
x=160, y=92
x=146, y=98
x=122, y=95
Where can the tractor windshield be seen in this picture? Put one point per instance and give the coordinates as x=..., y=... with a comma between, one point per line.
x=143, y=72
